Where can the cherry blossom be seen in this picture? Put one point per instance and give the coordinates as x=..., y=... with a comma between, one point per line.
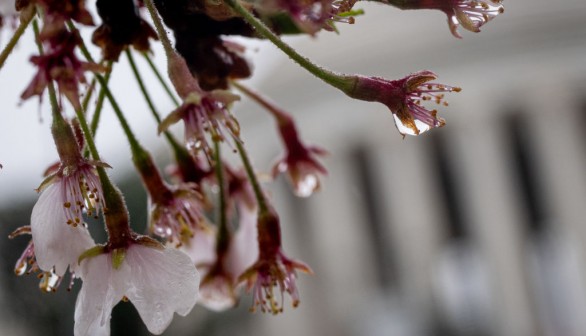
x=158, y=281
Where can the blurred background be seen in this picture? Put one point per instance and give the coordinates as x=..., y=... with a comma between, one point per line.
x=474, y=229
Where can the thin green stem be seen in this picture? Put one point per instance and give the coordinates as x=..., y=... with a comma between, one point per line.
x=223, y=233
x=143, y=89
x=62, y=133
x=161, y=79
x=88, y=95
x=100, y=102
x=25, y=20
x=159, y=26
x=89, y=139
x=134, y=144
x=338, y=81
x=258, y=193
x=99, y=105
x=51, y=88
x=36, y=31
x=174, y=143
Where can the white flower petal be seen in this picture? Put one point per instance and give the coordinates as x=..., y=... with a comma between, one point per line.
x=218, y=294
x=102, y=289
x=162, y=282
x=56, y=243
x=202, y=247
x=243, y=251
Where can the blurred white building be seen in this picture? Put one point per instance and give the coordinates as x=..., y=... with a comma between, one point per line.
x=473, y=229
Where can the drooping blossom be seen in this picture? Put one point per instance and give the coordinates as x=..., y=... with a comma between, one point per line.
x=471, y=14
x=60, y=64
x=121, y=27
x=49, y=280
x=72, y=190
x=59, y=234
x=339, y=11
x=175, y=211
x=222, y=254
x=158, y=281
x=55, y=245
x=299, y=162
x=176, y=215
x=309, y=16
x=193, y=171
x=240, y=191
x=273, y=273
x=219, y=288
x=65, y=9
x=203, y=113
x=78, y=190
x=56, y=13
x=405, y=98
x=190, y=169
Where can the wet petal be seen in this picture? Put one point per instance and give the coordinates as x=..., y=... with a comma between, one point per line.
x=56, y=243
x=163, y=281
x=102, y=289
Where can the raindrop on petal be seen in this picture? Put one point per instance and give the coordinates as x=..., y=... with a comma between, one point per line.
x=306, y=185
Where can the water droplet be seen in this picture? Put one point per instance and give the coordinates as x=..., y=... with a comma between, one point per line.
x=306, y=185
x=49, y=282
x=20, y=268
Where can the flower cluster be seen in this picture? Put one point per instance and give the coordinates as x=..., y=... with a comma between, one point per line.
x=212, y=231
